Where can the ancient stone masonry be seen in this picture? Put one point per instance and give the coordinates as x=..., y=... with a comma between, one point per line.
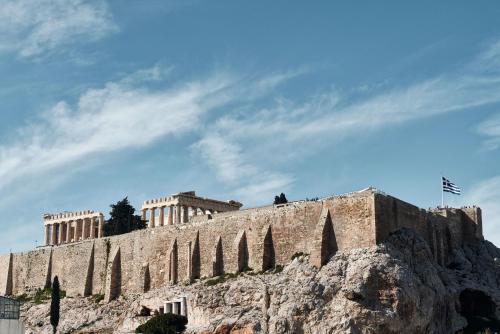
x=181, y=207
x=72, y=226
x=225, y=240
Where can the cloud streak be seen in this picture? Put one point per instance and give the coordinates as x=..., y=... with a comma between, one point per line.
x=243, y=144
x=490, y=128
x=34, y=27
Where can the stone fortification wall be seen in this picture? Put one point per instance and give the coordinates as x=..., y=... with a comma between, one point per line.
x=443, y=228
x=228, y=242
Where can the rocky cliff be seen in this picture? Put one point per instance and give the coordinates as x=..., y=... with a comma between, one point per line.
x=395, y=287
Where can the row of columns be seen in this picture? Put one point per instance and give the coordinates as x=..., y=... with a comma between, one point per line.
x=74, y=230
x=177, y=214
x=178, y=307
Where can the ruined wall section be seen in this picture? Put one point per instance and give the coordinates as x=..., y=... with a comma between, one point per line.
x=353, y=217
x=5, y=263
x=30, y=270
x=443, y=229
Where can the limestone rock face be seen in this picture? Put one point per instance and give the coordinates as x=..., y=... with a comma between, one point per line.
x=395, y=287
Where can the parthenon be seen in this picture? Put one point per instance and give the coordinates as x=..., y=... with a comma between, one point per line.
x=182, y=206
x=73, y=226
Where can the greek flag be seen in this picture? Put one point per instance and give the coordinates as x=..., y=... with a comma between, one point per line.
x=450, y=187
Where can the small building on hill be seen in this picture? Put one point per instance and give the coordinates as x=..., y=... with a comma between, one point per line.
x=9, y=316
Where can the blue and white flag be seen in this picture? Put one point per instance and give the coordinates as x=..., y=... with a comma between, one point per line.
x=450, y=187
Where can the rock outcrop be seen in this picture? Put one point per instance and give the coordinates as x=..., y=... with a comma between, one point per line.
x=395, y=287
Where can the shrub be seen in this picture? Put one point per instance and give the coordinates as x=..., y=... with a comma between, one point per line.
x=278, y=269
x=215, y=281
x=164, y=324
x=42, y=295
x=98, y=298
x=296, y=255
x=22, y=298
x=145, y=311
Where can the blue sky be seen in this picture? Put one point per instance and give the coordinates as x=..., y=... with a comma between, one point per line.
x=243, y=100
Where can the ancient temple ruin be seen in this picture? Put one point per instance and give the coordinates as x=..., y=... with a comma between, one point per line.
x=181, y=207
x=73, y=226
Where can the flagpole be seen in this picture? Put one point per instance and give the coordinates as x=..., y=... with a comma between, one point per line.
x=442, y=193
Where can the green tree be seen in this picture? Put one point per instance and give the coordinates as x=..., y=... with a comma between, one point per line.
x=281, y=199
x=123, y=219
x=164, y=324
x=55, y=304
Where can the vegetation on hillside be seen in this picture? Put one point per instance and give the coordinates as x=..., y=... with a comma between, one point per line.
x=281, y=199
x=164, y=324
x=122, y=219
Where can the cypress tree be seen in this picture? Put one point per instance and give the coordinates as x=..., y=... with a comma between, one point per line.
x=55, y=304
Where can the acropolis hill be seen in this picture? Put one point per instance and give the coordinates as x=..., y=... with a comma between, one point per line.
x=206, y=238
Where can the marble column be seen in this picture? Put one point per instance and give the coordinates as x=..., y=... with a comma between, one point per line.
x=195, y=211
x=85, y=229
x=184, y=306
x=152, y=217
x=61, y=235
x=178, y=214
x=75, y=231
x=54, y=235
x=185, y=214
x=143, y=214
x=47, y=235
x=162, y=216
x=92, y=228
x=68, y=231
x=100, y=232
x=175, y=307
x=170, y=215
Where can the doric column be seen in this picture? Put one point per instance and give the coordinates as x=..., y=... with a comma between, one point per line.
x=75, y=231
x=178, y=214
x=84, y=229
x=183, y=306
x=47, y=235
x=170, y=215
x=68, y=231
x=54, y=234
x=100, y=232
x=162, y=216
x=92, y=227
x=168, y=307
x=143, y=214
x=185, y=214
x=195, y=211
x=175, y=308
x=152, y=217
x=61, y=235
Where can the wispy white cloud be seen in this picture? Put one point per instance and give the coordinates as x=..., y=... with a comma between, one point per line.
x=251, y=181
x=486, y=194
x=117, y=116
x=33, y=27
x=490, y=128
x=240, y=145
x=126, y=114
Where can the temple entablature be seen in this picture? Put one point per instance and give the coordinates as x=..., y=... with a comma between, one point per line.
x=181, y=206
x=68, y=227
